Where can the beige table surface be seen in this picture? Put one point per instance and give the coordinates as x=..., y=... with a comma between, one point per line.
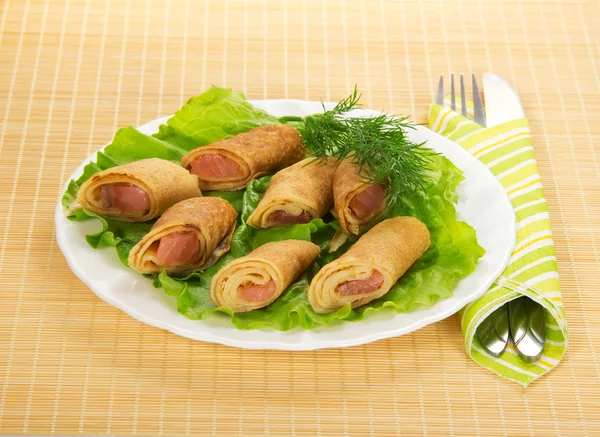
x=72, y=72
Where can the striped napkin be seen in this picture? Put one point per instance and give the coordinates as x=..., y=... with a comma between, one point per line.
x=507, y=150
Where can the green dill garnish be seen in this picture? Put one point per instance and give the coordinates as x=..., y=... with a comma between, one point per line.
x=378, y=145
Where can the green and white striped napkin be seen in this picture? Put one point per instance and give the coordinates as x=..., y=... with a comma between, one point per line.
x=507, y=150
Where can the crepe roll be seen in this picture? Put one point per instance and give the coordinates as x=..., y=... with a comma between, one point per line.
x=371, y=266
x=356, y=202
x=138, y=191
x=297, y=194
x=232, y=163
x=257, y=279
x=189, y=236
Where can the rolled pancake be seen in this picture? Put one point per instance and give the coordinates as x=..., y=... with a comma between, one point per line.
x=356, y=202
x=232, y=163
x=297, y=194
x=257, y=279
x=160, y=184
x=211, y=220
x=371, y=267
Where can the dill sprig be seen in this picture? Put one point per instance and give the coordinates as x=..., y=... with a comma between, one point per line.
x=378, y=145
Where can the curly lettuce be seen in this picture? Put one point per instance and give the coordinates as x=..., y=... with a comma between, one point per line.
x=219, y=113
x=212, y=116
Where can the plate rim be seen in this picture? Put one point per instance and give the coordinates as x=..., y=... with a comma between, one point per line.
x=206, y=336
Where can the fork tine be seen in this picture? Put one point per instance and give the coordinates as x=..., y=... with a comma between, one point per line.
x=477, y=105
x=440, y=92
x=452, y=93
x=463, y=98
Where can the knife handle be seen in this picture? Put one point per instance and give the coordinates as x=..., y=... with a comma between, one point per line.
x=493, y=332
x=527, y=328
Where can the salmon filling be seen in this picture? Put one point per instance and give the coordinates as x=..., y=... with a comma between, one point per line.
x=280, y=217
x=361, y=286
x=368, y=202
x=124, y=196
x=214, y=166
x=258, y=293
x=177, y=248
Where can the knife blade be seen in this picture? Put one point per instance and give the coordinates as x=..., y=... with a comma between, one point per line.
x=502, y=102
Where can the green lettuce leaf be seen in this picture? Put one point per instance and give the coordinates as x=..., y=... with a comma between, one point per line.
x=194, y=291
x=122, y=235
x=128, y=145
x=212, y=116
x=216, y=114
x=219, y=113
x=236, y=198
x=453, y=254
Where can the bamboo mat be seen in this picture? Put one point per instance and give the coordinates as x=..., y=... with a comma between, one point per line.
x=72, y=72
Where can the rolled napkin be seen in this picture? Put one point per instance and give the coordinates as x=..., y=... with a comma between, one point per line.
x=139, y=191
x=507, y=150
x=232, y=163
x=371, y=266
x=297, y=194
x=189, y=236
x=356, y=202
x=257, y=279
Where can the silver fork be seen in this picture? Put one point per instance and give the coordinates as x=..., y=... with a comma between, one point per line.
x=478, y=114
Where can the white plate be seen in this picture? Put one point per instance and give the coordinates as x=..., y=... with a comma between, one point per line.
x=483, y=204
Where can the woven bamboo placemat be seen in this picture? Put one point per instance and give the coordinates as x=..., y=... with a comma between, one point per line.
x=72, y=72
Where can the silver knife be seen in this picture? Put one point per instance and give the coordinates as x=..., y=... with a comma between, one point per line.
x=522, y=318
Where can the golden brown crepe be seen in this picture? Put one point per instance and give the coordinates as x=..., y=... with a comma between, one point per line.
x=159, y=183
x=257, y=279
x=371, y=267
x=297, y=194
x=232, y=163
x=349, y=187
x=194, y=233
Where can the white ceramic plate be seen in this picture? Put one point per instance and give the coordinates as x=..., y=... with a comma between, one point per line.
x=483, y=204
